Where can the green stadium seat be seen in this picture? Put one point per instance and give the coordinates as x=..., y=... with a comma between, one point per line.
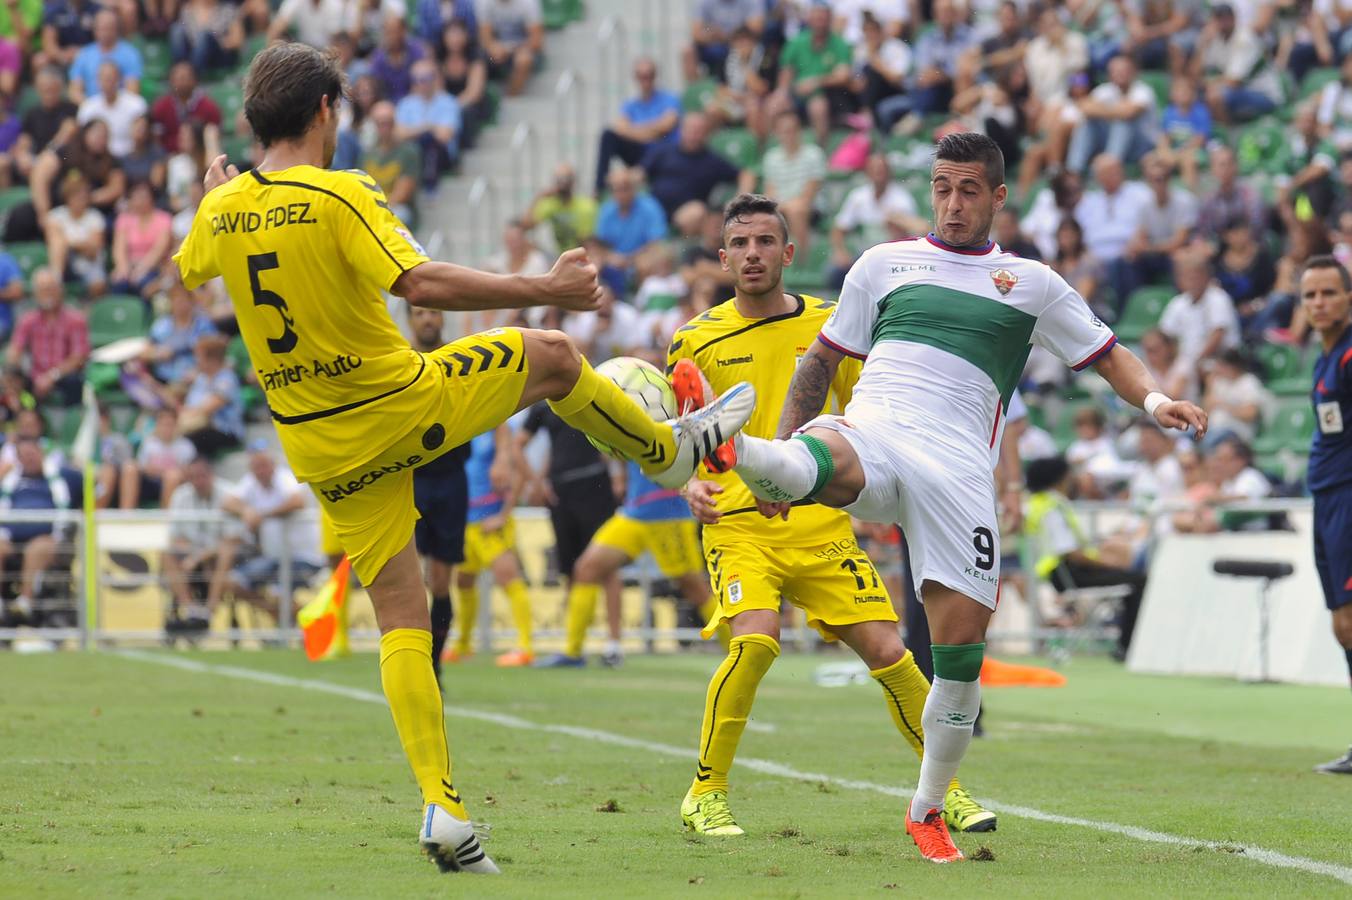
x=1159, y=83
x=1142, y=312
x=229, y=98
x=1290, y=428
x=698, y=94
x=737, y=145
x=1286, y=369
x=1316, y=79
x=115, y=317
x=30, y=255
x=13, y=196
x=809, y=271
x=555, y=13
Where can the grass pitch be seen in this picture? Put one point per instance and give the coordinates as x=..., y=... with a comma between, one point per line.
x=120, y=777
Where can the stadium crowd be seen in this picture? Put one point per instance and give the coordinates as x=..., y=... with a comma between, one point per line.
x=1176, y=160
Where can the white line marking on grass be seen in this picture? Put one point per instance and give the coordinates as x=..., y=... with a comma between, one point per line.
x=764, y=766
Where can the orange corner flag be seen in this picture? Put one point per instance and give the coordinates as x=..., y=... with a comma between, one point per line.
x=323, y=621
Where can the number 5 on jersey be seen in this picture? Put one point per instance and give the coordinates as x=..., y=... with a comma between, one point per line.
x=262, y=262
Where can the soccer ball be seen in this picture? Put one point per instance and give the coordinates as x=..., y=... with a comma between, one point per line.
x=645, y=384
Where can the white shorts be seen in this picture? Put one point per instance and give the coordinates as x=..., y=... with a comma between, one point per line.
x=944, y=503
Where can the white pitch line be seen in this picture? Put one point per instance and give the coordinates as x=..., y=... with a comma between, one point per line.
x=764, y=766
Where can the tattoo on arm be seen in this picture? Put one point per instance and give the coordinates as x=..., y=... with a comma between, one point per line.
x=808, y=392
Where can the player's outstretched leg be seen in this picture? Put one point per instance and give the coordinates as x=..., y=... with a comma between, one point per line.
x=668, y=453
x=905, y=691
x=727, y=704
x=818, y=463
x=410, y=687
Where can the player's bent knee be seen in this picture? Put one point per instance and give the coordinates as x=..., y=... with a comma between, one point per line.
x=555, y=361
x=755, y=621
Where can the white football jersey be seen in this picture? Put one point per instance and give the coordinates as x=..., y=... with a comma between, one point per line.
x=945, y=334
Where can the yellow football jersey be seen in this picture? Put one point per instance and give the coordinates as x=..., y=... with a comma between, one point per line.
x=306, y=254
x=728, y=348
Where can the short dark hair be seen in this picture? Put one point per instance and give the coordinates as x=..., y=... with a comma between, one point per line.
x=972, y=146
x=1325, y=261
x=284, y=87
x=1045, y=474
x=743, y=206
x=1237, y=444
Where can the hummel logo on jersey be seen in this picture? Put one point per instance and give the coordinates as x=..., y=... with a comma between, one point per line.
x=735, y=360
x=1004, y=280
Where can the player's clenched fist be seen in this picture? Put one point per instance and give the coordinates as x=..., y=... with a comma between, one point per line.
x=572, y=283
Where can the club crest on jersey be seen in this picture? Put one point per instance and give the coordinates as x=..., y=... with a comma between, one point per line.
x=417, y=247
x=1004, y=280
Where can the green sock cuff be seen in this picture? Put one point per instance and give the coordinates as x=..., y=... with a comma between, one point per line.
x=958, y=662
x=826, y=467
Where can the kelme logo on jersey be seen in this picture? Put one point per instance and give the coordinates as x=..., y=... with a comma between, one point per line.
x=356, y=485
x=1004, y=280
x=412, y=241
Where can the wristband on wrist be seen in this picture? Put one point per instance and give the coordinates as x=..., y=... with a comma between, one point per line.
x=1153, y=401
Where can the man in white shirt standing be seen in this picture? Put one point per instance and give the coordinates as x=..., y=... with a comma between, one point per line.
x=1111, y=216
x=1202, y=316
x=793, y=173
x=881, y=210
x=263, y=501
x=1119, y=118
x=116, y=107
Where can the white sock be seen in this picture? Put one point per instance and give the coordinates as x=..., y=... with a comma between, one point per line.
x=949, y=717
x=612, y=648
x=776, y=470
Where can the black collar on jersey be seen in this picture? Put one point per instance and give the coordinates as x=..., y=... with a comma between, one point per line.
x=780, y=317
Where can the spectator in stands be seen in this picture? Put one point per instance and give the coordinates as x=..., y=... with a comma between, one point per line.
x=1312, y=36
x=613, y=329
x=1244, y=269
x=107, y=46
x=1242, y=83
x=113, y=451
x=1158, y=479
x=1232, y=198
x=212, y=416
x=814, y=74
x=1283, y=320
x=1053, y=203
x=55, y=341
x=37, y=483
x=1174, y=375
x=85, y=155
x=1334, y=109
x=936, y=58
x=116, y=107
x=711, y=33
x=196, y=144
x=264, y=501
x=67, y=25
x=645, y=121
x=1202, y=316
x=874, y=212
x=429, y=116
x=1093, y=455
x=1078, y=265
x=313, y=22
x=1111, y=217
x=393, y=164
x=146, y=161
x=466, y=74
x=686, y=170
x=159, y=465
x=700, y=260
x=11, y=291
x=1055, y=57
x=1185, y=128
x=208, y=34
x=50, y=123
x=184, y=102
x=433, y=16
x=1310, y=164
x=173, y=337
x=1235, y=399
x=882, y=64
x=518, y=255
x=393, y=61
x=992, y=59
x=1231, y=465
x=1119, y=118
x=1169, y=219
x=629, y=221
x=142, y=236
x=1008, y=234
x=793, y=173
x=1064, y=555
x=75, y=237
x=744, y=86
x=512, y=34
x=27, y=423
x=1157, y=33
x=200, y=552
x=571, y=216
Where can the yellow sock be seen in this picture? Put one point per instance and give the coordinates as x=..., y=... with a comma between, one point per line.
x=581, y=610
x=726, y=706
x=519, y=598
x=905, y=689
x=415, y=703
x=596, y=406
x=468, y=613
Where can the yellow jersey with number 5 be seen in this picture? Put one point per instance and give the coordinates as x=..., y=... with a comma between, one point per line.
x=306, y=255
x=728, y=348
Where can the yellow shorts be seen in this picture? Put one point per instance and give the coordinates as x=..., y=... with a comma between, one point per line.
x=483, y=547
x=329, y=544
x=834, y=583
x=674, y=543
x=371, y=506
